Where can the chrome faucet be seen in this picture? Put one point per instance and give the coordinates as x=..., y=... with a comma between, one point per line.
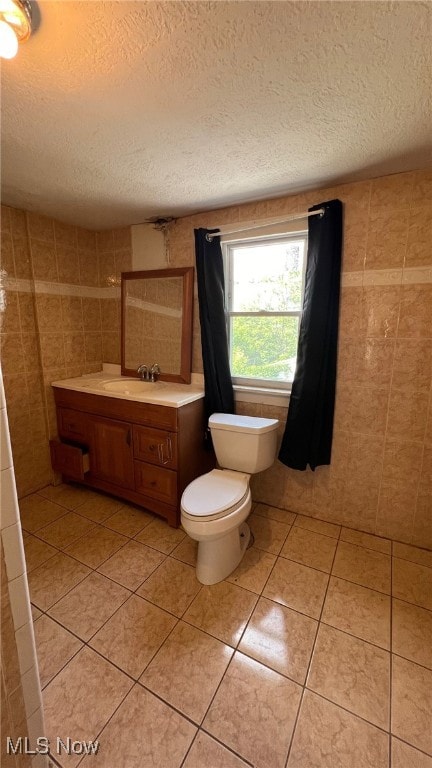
x=143, y=372
x=154, y=372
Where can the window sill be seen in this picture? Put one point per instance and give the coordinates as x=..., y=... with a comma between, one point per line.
x=264, y=395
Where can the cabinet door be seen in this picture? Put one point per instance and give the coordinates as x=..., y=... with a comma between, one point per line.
x=112, y=452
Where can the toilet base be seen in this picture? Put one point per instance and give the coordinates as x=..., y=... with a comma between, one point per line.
x=219, y=557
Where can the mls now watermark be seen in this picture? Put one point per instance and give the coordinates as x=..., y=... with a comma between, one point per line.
x=44, y=746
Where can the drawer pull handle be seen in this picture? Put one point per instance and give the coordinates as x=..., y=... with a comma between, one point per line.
x=165, y=458
x=169, y=448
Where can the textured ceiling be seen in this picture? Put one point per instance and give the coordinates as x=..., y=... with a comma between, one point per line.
x=117, y=111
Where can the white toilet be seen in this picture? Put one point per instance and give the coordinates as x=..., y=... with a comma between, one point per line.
x=214, y=507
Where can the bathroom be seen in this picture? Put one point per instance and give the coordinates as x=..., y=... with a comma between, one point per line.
x=315, y=651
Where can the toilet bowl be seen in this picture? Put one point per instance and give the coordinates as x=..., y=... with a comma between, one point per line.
x=215, y=506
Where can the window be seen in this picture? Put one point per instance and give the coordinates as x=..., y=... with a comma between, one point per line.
x=265, y=282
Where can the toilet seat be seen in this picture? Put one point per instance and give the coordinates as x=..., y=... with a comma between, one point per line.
x=214, y=495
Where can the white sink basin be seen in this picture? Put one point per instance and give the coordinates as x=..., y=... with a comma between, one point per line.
x=131, y=386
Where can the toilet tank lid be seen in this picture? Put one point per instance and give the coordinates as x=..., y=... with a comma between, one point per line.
x=235, y=423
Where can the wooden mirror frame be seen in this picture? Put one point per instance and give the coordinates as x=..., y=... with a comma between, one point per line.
x=187, y=273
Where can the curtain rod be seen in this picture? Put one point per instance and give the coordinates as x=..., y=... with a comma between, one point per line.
x=320, y=212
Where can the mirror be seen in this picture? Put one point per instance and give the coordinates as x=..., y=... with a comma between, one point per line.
x=157, y=322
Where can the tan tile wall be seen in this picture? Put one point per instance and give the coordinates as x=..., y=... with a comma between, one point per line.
x=380, y=476
x=48, y=336
x=114, y=248
x=22, y=371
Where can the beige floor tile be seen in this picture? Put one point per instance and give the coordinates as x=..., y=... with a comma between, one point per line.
x=359, y=611
x=89, y=605
x=363, y=566
x=187, y=670
x=318, y=526
x=351, y=673
x=404, y=756
x=297, y=587
x=222, y=610
x=366, y=540
x=143, y=733
x=328, y=737
x=51, y=580
x=310, y=548
x=412, y=704
x=55, y=646
x=35, y=612
x=36, y=512
x=133, y=635
x=412, y=582
x=254, y=570
x=69, y=496
x=281, y=638
x=412, y=633
x=99, y=507
x=82, y=698
x=36, y=552
x=97, y=546
x=172, y=586
x=161, y=536
x=131, y=564
x=254, y=712
x=129, y=521
x=269, y=534
x=63, y=532
x=186, y=551
x=414, y=554
x=274, y=513
x=205, y=751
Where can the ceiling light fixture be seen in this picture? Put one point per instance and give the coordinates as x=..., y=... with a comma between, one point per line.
x=15, y=25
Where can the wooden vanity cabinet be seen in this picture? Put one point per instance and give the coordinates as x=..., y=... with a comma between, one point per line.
x=141, y=452
x=111, y=453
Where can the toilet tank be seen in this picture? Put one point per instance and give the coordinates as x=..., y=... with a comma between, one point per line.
x=244, y=443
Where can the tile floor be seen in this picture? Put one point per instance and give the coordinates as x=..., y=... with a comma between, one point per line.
x=315, y=653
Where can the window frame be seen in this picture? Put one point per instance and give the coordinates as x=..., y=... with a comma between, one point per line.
x=228, y=245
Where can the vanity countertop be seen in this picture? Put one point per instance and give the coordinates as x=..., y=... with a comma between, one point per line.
x=159, y=393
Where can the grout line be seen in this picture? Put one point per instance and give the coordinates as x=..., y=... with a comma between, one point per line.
x=215, y=637
x=235, y=649
x=226, y=746
x=418, y=749
x=349, y=711
x=411, y=661
x=356, y=637
x=311, y=656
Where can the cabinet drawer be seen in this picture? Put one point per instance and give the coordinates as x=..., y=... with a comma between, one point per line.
x=72, y=424
x=156, y=482
x=69, y=460
x=155, y=446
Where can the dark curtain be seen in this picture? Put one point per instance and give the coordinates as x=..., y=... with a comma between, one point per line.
x=309, y=428
x=219, y=395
